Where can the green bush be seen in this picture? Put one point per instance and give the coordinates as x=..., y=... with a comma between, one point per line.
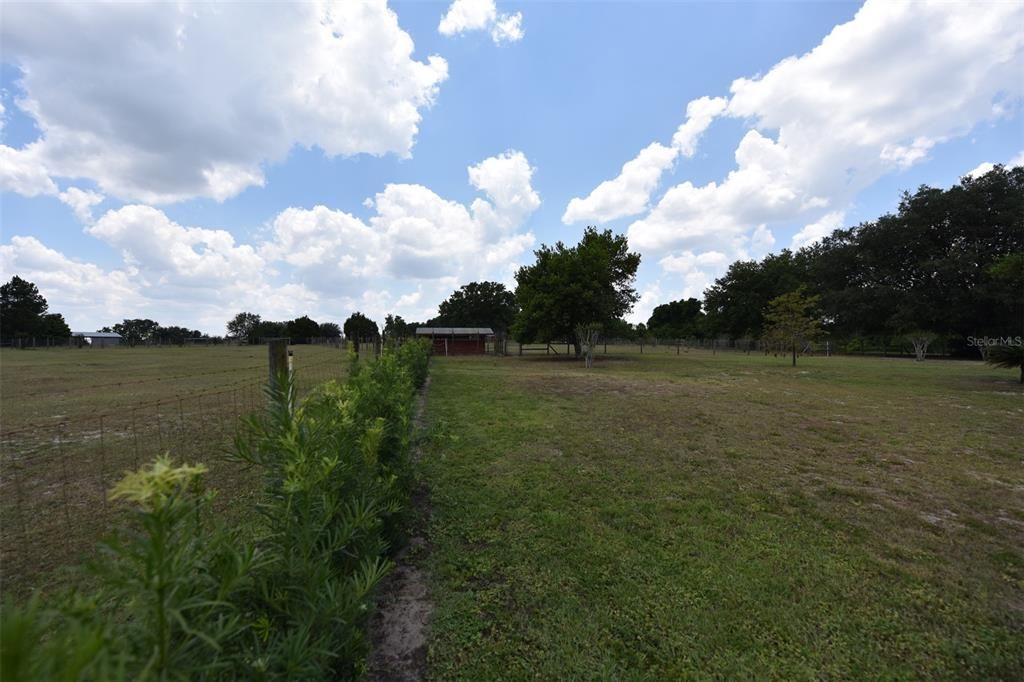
x=166, y=605
x=181, y=597
x=326, y=496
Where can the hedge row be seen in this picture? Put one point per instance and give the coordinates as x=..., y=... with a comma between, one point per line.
x=179, y=595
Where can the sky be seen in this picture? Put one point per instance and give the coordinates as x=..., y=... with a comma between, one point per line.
x=188, y=161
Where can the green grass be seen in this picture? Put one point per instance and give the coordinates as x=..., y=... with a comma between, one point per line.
x=700, y=516
x=74, y=420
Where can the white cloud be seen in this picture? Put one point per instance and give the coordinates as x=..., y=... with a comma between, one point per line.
x=829, y=123
x=650, y=297
x=687, y=260
x=629, y=192
x=820, y=228
x=481, y=15
x=82, y=292
x=165, y=254
x=508, y=28
x=81, y=202
x=22, y=172
x=467, y=15
x=699, y=115
x=320, y=261
x=414, y=234
x=157, y=106
x=506, y=180
x=986, y=166
x=980, y=169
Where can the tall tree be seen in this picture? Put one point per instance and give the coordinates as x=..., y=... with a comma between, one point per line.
x=174, y=334
x=677, y=320
x=590, y=283
x=53, y=324
x=789, y=322
x=330, y=330
x=137, y=331
x=269, y=329
x=22, y=308
x=735, y=303
x=301, y=329
x=479, y=304
x=395, y=327
x=359, y=327
x=244, y=326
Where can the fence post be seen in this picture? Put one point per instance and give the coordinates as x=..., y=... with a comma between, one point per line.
x=277, y=351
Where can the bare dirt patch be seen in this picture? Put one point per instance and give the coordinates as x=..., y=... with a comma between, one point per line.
x=398, y=628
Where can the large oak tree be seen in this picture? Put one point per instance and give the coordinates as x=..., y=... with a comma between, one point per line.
x=590, y=283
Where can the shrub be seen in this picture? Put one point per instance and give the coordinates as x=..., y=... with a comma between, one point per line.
x=325, y=498
x=166, y=601
x=179, y=596
x=1007, y=357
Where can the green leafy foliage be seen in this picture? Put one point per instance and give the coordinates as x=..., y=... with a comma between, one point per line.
x=478, y=304
x=1008, y=356
x=677, y=320
x=789, y=322
x=395, y=327
x=591, y=282
x=137, y=331
x=330, y=330
x=167, y=605
x=301, y=329
x=23, y=312
x=244, y=325
x=180, y=596
x=360, y=327
x=946, y=262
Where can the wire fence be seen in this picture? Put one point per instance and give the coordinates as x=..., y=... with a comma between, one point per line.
x=55, y=474
x=823, y=347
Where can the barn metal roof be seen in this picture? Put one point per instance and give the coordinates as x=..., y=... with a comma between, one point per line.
x=97, y=335
x=453, y=331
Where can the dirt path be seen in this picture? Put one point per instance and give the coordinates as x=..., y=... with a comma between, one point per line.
x=398, y=628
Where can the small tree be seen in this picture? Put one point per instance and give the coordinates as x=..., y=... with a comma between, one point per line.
x=301, y=329
x=570, y=286
x=788, y=321
x=395, y=327
x=478, y=304
x=330, y=330
x=1007, y=357
x=920, y=340
x=359, y=327
x=22, y=308
x=587, y=336
x=53, y=324
x=244, y=326
x=137, y=331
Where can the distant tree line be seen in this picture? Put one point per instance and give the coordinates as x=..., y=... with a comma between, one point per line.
x=251, y=327
x=948, y=264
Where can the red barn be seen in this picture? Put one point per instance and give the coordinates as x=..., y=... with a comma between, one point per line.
x=456, y=340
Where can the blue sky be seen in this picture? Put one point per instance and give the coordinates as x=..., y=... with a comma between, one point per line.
x=186, y=162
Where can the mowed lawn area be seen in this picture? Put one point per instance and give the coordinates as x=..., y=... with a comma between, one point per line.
x=700, y=516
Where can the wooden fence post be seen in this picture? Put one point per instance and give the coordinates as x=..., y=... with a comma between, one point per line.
x=277, y=351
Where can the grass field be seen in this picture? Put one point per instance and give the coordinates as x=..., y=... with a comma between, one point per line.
x=73, y=420
x=699, y=516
